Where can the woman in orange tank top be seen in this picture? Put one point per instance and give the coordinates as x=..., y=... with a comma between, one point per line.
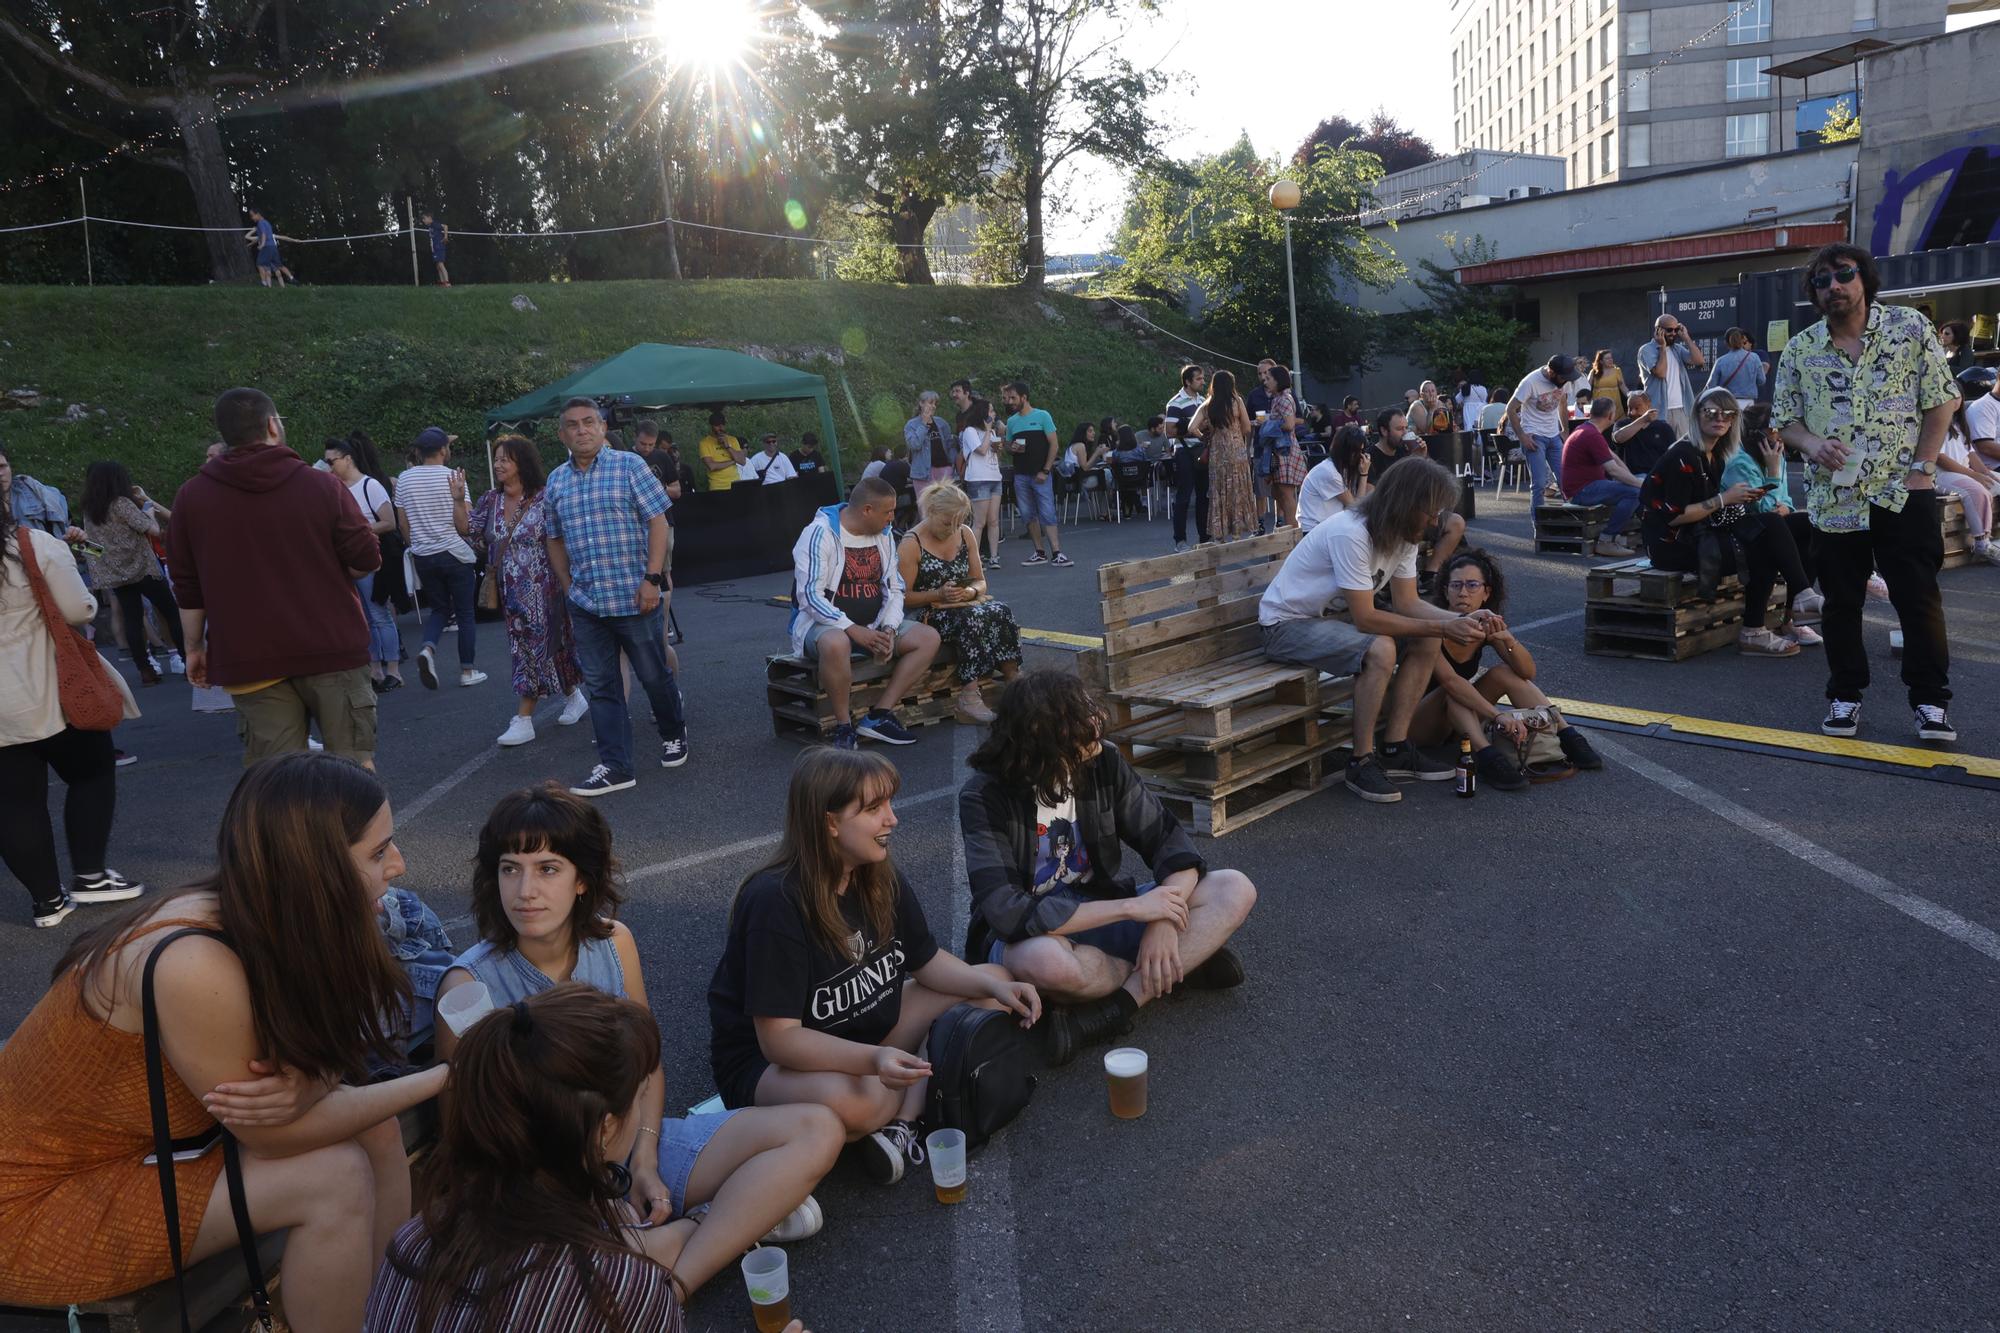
x=258, y=1033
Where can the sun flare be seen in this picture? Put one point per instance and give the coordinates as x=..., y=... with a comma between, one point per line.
x=707, y=33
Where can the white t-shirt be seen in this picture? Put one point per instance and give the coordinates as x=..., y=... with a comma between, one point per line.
x=1470, y=406
x=1982, y=418
x=978, y=467
x=1334, y=558
x=773, y=468
x=1319, y=497
x=874, y=468
x=1955, y=448
x=369, y=497
x=424, y=494
x=1541, y=403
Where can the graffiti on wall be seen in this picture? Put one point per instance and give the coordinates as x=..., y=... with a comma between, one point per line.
x=1951, y=199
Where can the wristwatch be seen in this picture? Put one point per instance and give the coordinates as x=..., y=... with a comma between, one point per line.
x=658, y=581
x=1927, y=466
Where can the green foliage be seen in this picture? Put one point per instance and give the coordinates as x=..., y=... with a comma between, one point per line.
x=1842, y=124
x=1209, y=223
x=1000, y=248
x=1470, y=328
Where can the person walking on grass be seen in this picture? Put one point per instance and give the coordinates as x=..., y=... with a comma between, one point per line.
x=1866, y=396
x=1031, y=438
x=608, y=542
x=440, y=237
x=264, y=238
x=431, y=500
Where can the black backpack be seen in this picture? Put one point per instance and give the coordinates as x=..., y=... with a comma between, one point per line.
x=979, y=1072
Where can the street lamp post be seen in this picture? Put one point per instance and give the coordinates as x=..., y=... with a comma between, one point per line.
x=1285, y=198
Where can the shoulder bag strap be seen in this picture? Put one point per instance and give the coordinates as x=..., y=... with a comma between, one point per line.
x=163, y=1150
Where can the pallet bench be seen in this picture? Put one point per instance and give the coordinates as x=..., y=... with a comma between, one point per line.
x=1220, y=733
x=1631, y=609
x=1957, y=534
x=1569, y=527
x=801, y=711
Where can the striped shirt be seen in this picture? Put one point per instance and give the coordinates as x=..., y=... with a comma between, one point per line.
x=424, y=495
x=550, y=1299
x=600, y=514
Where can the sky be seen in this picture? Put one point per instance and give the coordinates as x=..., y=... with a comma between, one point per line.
x=1232, y=67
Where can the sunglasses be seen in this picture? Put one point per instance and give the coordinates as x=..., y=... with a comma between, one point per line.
x=1845, y=273
x=1718, y=414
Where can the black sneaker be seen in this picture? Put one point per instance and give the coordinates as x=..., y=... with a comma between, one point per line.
x=1366, y=779
x=106, y=886
x=1498, y=770
x=1068, y=1028
x=673, y=753
x=602, y=782
x=1933, y=725
x=1842, y=718
x=1222, y=970
x=881, y=725
x=1405, y=760
x=1062, y=561
x=52, y=914
x=844, y=737
x=1578, y=750
x=1036, y=559
x=389, y=684
x=885, y=1152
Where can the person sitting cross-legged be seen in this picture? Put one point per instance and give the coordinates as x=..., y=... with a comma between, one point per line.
x=1044, y=815
x=1343, y=564
x=1465, y=699
x=847, y=603
x=1593, y=475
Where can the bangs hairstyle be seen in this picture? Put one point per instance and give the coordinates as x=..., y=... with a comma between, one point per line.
x=520, y=450
x=322, y=981
x=546, y=818
x=520, y=1158
x=826, y=781
x=1720, y=397
x=1488, y=568
x=1044, y=726
x=944, y=500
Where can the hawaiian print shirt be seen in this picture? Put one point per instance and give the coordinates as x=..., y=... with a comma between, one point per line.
x=1874, y=405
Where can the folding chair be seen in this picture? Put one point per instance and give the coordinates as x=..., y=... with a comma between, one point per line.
x=1129, y=479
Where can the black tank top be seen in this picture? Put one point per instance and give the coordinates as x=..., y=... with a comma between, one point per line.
x=1470, y=668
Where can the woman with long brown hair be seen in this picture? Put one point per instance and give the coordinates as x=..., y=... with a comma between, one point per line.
x=1224, y=422
x=1607, y=380
x=508, y=523
x=272, y=984
x=830, y=979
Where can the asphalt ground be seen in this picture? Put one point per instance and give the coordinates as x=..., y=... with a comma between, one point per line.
x=1699, y=1041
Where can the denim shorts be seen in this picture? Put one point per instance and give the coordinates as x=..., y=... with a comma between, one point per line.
x=1035, y=499
x=1329, y=644
x=981, y=490
x=811, y=653
x=681, y=1142
x=1120, y=939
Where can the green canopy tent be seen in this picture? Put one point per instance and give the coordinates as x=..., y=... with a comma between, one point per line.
x=654, y=376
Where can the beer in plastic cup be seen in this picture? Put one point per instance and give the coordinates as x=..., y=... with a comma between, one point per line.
x=946, y=1150
x=1849, y=472
x=770, y=1284
x=1125, y=1074
x=465, y=1005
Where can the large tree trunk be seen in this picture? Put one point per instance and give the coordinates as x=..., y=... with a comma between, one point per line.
x=667, y=212
x=215, y=203
x=907, y=226
x=1034, y=252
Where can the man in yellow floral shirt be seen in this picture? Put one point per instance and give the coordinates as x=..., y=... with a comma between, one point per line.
x=1866, y=396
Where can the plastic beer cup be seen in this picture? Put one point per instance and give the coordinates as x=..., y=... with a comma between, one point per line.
x=769, y=1281
x=1125, y=1075
x=946, y=1150
x=465, y=1005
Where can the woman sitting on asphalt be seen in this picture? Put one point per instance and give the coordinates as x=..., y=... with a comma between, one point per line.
x=946, y=584
x=1465, y=700
x=1684, y=494
x=829, y=979
x=525, y=1228
x=272, y=982
x=545, y=890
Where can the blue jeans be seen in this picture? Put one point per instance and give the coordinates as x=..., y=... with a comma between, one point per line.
x=642, y=640
x=1623, y=499
x=1544, y=464
x=449, y=581
x=1035, y=499
x=385, y=641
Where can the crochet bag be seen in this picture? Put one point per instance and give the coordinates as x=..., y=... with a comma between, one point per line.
x=91, y=700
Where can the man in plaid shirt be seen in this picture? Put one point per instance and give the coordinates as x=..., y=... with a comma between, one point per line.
x=608, y=542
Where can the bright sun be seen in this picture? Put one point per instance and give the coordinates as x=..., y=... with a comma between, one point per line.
x=709, y=33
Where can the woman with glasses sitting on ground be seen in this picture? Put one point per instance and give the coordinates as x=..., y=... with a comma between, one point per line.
x=1684, y=499
x=1465, y=700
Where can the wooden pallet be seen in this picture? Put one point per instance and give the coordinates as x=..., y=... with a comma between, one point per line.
x=1633, y=610
x=801, y=711
x=1957, y=534
x=1286, y=774
x=1569, y=527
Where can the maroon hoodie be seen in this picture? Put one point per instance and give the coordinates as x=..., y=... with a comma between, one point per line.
x=264, y=543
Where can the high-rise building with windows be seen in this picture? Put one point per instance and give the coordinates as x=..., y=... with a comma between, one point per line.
x=1570, y=78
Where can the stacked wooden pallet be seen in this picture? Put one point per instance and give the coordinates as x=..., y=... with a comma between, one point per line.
x=800, y=710
x=1633, y=610
x=1957, y=536
x=1569, y=527
x=1221, y=734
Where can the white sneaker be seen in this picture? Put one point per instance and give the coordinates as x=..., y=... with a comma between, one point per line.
x=1990, y=553
x=176, y=665
x=520, y=730
x=476, y=678
x=802, y=1222
x=574, y=707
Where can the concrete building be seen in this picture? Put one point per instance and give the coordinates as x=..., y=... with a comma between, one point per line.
x=1626, y=88
x=1466, y=180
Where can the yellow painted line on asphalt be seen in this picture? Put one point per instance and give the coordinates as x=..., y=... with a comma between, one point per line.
x=1061, y=640
x=1904, y=756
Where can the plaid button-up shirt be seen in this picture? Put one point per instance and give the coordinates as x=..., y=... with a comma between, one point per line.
x=601, y=514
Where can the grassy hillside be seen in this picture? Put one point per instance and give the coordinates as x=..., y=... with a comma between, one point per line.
x=393, y=360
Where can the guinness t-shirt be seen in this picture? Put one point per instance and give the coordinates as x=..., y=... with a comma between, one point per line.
x=774, y=965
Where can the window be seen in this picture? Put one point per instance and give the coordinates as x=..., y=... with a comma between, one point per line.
x=1639, y=33
x=1749, y=79
x=1604, y=154
x=1747, y=136
x=1639, y=95
x=1750, y=22
x=1864, y=16
x=1639, y=145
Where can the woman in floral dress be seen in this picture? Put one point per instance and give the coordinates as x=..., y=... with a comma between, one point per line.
x=1225, y=423
x=1288, y=470
x=508, y=522
x=945, y=586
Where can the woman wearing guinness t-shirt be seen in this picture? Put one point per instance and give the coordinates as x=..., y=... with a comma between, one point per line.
x=830, y=980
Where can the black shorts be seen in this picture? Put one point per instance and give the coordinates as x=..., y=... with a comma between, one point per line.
x=738, y=1086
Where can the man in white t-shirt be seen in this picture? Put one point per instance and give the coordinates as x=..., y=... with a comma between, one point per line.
x=1322, y=496
x=1664, y=366
x=770, y=464
x=1347, y=560
x=1982, y=413
x=1539, y=412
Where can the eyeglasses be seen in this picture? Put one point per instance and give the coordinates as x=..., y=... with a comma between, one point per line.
x=1464, y=585
x=1845, y=273
x=1718, y=414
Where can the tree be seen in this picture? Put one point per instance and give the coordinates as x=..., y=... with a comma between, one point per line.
x=1208, y=224
x=1069, y=92
x=1842, y=124
x=1465, y=328
x=905, y=106
x=1000, y=245
x=1397, y=147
